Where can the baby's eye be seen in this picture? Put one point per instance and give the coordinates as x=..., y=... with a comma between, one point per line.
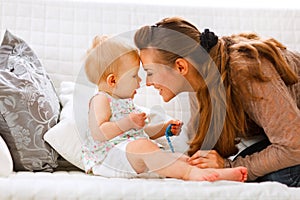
x=149, y=74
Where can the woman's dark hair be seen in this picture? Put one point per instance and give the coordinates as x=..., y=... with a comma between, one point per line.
x=172, y=37
x=175, y=37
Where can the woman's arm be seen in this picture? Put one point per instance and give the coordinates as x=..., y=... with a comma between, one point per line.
x=277, y=113
x=158, y=130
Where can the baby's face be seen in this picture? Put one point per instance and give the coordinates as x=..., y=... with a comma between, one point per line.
x=128, y=79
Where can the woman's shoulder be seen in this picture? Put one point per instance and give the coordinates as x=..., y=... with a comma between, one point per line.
x=293, y=59
x=243, y=61
x=248, y=59
x=242, y=54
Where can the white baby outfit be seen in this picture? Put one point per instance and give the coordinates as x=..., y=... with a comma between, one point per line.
x=109, y=158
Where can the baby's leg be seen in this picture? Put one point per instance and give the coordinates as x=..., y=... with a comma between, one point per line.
x=232, y=174
x=144, y=154
x=181, y=156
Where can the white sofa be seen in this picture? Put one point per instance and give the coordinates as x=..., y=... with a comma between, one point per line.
x=60, y=31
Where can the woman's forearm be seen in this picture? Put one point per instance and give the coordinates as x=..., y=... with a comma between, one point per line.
x=155, y=131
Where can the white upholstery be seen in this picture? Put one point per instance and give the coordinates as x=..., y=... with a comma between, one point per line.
x=77, y=185
x=60, y=31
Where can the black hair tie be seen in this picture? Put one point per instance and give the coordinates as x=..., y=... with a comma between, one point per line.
x=208, y=40
x=152, y=29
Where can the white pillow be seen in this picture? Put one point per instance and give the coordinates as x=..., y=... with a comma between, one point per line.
x=6, y=162
x=68, y=135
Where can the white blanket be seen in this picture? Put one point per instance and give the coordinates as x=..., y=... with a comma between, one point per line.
x=77, y=185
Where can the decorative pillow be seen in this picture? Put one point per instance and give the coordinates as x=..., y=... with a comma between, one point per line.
x=29, y=106
x=6, y=163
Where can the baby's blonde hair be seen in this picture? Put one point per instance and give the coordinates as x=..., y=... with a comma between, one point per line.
x=103, y=58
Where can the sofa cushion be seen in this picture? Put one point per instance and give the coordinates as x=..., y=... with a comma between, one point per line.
x=68, y=135
x=29, y=106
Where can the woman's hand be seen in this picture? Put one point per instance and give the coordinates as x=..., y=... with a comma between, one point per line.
x=206, y=159
x=176, y=126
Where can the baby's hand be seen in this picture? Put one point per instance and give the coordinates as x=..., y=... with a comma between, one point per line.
x=176, y=126
x=137, y=120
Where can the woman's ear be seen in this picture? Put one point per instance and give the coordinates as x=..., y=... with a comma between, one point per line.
x=111, y=80
x=182, y=66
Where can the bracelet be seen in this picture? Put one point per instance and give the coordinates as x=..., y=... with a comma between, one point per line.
x=169, y=134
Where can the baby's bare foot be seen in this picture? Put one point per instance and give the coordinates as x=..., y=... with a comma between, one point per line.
x=197, y=174
x=233, y=174
x=244, y=172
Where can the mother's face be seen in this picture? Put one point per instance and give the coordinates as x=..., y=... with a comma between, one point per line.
x=163, y=78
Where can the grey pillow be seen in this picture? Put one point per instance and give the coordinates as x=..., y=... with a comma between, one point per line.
x=29, y=106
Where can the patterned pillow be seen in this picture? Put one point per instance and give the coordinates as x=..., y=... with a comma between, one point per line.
x=29, y=106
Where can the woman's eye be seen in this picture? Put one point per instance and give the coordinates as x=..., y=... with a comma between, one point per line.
x=149, y=74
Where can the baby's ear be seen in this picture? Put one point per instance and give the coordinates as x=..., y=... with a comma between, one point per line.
x=111, y=80
x=182, y=66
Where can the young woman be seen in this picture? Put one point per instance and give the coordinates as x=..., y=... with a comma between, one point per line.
x=245, y=87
